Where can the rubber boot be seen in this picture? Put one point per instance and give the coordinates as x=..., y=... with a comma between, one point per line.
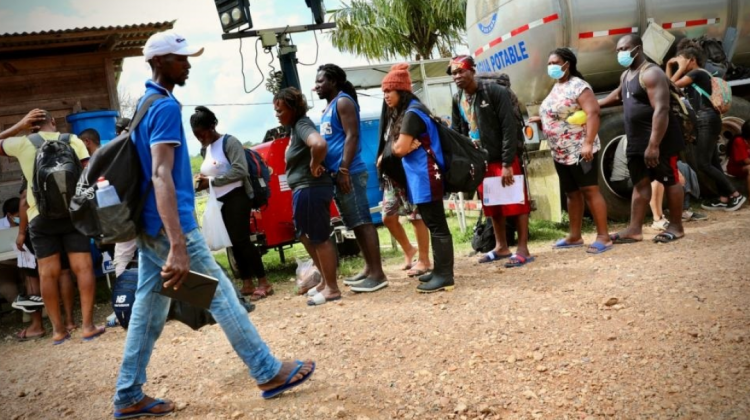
x=424, y=278
x=442, y=272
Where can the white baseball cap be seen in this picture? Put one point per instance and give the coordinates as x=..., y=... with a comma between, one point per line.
x=169, y=42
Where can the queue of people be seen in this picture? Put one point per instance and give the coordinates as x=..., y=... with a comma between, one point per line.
x=326, y=166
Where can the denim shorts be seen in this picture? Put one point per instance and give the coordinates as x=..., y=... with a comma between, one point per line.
x=354, y=207
x=312, y=212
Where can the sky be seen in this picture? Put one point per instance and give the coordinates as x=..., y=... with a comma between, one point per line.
x=215, y=77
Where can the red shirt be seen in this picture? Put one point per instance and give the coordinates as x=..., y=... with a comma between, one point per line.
x=738, y=152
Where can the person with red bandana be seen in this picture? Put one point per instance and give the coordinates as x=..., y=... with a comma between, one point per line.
x=484, y=112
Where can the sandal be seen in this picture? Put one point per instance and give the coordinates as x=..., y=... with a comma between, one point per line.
x=287, y=385
x=261, y=293
x=416, y=272
x=666, y=237
x=618, y=239
x=598, y=248
x=24, y=336
x=491, y=257
x=145, y=411
x=564, y=244
x=319, y=299
x=517, y=260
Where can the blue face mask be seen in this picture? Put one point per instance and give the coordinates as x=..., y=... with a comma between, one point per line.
x=625, y=58
x=555, y=71
x=17, y=220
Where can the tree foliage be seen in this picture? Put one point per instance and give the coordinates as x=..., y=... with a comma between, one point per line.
x=389, y=29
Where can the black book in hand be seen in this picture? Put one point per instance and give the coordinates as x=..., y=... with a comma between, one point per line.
x=197, y=289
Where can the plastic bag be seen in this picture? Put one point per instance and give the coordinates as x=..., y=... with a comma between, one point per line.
x=308, y=275
x=214, y=230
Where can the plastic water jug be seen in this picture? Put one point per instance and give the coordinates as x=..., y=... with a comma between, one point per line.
x=106, y=195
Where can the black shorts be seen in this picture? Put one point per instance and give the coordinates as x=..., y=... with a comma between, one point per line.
x=312, y=212
x=58, y=236
x=34, y=272
x=666, y=172
x=573, y=177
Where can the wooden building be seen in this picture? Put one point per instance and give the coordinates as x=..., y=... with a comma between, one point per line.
x=63, y=71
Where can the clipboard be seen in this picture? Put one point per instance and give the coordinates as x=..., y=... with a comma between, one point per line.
x=197, y=289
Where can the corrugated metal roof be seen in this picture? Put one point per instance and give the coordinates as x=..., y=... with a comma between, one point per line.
x=126, y=40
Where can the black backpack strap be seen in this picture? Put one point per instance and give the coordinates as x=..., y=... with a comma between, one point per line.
x=36, y=139
x=141, y=112
x=65, y=138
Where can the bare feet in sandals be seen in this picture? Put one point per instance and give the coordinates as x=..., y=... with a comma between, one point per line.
x=291, y=375
x=146, y=407
x=409, y=258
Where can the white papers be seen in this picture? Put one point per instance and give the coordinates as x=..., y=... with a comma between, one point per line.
x=494, y=194
x=283, y=185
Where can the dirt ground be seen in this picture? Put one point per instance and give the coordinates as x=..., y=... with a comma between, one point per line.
x=644, y=331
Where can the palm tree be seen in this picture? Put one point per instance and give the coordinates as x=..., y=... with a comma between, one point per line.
x=389, y=29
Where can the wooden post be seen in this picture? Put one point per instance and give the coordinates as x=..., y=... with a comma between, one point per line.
x=109, y=68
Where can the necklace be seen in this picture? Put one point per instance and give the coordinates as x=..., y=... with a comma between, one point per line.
x=628, y=78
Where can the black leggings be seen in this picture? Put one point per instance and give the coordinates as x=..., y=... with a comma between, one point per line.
x=236, y=215
x=433, y=215
x=706, y=154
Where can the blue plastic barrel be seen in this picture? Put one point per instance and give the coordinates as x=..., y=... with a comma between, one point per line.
x=101, y=121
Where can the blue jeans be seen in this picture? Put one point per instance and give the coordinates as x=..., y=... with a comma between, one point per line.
x=354, y=207
x=150, y=313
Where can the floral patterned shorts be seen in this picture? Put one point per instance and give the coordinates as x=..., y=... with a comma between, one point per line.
x=395, y=202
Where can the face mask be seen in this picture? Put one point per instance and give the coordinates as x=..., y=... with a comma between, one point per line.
x=17, y=220
x=555, y=71
x=624, y=57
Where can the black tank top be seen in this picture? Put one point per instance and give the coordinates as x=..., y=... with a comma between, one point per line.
x=639, y=116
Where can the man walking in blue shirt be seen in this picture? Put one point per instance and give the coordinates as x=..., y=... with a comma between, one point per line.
x=171, y=245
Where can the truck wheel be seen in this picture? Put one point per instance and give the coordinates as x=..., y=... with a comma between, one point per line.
x=611, y=131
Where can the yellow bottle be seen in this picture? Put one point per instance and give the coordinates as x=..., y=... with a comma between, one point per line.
x=578, y=118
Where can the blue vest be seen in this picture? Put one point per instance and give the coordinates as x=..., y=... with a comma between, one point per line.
x=425, y=166
x=333, y=132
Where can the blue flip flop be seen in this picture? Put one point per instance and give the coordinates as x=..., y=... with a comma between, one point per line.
x=98, y=333
x=145, y=411
x=598, y=248
x=492, y=257
x=518, y=261
x=271, y=393
x=62, y=340
x=563, y=244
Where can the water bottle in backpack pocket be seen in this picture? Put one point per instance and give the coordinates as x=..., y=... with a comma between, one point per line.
x=56, y=172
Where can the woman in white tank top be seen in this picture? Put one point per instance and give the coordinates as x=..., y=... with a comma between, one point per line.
x=225, y=167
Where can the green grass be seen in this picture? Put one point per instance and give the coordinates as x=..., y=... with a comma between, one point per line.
x=540, y=231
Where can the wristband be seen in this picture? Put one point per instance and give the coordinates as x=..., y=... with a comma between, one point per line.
x=344, y=171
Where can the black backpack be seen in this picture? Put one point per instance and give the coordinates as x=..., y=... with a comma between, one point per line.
x=483, y=239
x=56, y=172
x=465, y=164
x=118, y=163
x=259, y=174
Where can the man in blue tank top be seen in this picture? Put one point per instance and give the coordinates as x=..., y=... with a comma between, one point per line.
x=339, y=126
x=654, y=139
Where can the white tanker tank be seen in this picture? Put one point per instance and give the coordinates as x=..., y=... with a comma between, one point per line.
x=516, y=37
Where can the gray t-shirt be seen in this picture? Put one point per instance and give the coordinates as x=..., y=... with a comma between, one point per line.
x=298, y=155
